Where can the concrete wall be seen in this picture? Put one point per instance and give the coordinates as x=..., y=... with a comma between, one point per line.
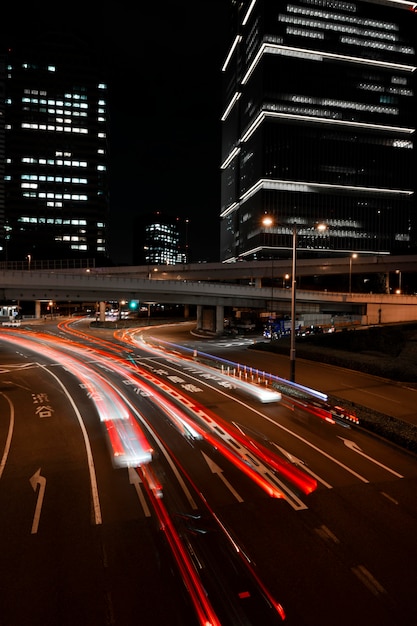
x=379, y=313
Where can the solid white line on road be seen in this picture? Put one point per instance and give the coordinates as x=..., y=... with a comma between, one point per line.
x=91, y=468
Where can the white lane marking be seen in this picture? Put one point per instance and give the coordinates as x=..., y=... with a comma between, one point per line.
x=135, y=480
x=277, y=424
x=388, y=497
x=36, y=480
x=160, y=445
x=216, y=469
x=91, y=468
x=368, y=580
x=9, y=435
x=293, y=459
x=326, y=533
x=354, y=446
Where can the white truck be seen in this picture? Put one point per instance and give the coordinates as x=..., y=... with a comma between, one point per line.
x=11, y=323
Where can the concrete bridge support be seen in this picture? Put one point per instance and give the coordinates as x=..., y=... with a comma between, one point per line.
x=102, y=311
x=210, y=318
x=219, y=319
x=199, y=317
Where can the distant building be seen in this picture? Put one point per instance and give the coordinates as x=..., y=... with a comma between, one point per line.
x=160, y=240
x=319, y=119
x=54, y=198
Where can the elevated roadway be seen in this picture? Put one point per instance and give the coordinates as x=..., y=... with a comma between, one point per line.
x=250, y=270
x=204, y=285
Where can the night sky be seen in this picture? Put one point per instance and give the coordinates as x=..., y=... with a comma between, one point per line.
x=163, y=63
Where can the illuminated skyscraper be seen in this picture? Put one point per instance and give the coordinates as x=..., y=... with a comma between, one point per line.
x=160, y=239
x=319, y=123
x=56, y=201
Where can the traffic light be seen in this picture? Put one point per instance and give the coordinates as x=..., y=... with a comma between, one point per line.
x=133, y=305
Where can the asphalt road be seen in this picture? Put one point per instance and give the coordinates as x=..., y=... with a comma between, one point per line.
x=384, y=396
x=340, y=555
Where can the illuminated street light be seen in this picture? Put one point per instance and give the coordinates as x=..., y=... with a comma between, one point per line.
x=268, y=221
x=321, y=227
x=352, y=256
x=398, y=291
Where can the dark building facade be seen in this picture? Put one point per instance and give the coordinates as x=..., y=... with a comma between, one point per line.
x=319, y=126
x=56, y=200
x=160, y=239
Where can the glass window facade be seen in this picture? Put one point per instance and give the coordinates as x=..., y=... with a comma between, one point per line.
x=319, y=124
x=56, y=182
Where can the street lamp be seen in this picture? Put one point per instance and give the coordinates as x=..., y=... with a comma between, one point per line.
x=268, y=221
x=398, y=291
x=29, y=257
x=352, y=256
x=148, y=259
x=293, y=301
x=320, y=227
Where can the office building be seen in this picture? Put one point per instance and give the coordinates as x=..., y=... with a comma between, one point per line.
x=318, y=126
x=56, y=201
x=160, y=239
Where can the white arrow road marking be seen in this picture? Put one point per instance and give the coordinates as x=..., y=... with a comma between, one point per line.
x=36, y=480
x=215, y=469
x=353, y=446
x=300, y=463
x=135, y=480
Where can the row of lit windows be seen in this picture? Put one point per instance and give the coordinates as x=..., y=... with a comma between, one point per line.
x=315, y=55
x=340, y=104
x=82, y=247
x=338, y=28
x=55, y=103
x=160, y=227
x=61, y=112
x=55, y=196
x=32, y=66
x=400, y=91
x=165, y=239
x=54, y=179
x=34, y=161
x=44, y=110
x=328, y=15
x=55, y=129
x=298, y=32
x=74, y=246
x=378, y=45
x=52, y=220
x=312, y=112
x=333, y=232
x=70, y=96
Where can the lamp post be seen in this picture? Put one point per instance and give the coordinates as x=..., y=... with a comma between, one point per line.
x=398, y=291
x=320, y=227
x=352, y=256
x=268, y=221
x=293, y=302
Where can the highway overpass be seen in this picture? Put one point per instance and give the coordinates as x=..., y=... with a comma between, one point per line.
x=200, y=285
